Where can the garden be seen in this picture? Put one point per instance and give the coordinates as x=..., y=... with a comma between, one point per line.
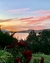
x=14, y=51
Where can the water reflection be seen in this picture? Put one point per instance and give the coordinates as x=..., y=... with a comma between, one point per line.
x=21, y=35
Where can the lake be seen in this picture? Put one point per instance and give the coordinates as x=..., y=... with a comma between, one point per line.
x=21, y=35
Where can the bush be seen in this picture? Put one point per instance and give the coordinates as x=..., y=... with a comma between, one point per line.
x=6, y=57
x=5, y=39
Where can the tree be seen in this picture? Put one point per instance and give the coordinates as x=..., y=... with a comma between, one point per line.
x=5, y=39
x=32, y=41
x=45, y=41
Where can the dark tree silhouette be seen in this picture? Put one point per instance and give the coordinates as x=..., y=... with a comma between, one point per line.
x=6, y=39
x=32, y=41
x=40, y=43
x=45, y=41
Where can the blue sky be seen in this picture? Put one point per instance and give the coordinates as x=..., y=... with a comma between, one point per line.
x=33, y=5
x=35, y=13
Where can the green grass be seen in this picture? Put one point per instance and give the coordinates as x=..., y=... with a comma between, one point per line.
x=4, y=57
x=38, y=56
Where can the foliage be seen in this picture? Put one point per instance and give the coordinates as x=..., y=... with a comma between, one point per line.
x=17, y=60
x=18, y=51
x=38, y=57
x=5, y=39
x=45, y=41
x=39, y=43
x=28, y=55
x=21, y=51
x=6, y=57
x=32, y=41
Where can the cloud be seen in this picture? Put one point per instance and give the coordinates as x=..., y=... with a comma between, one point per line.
x=30, y=20
x=28, y=11
x=18, y=24
x=26, y=18
x=39, y=27
x=20, y=28
x=39, y=19
x=41, y=12
x=15, y=28
x=5, y=20
x=11, y=19
x=10, y=28
x=18, y=10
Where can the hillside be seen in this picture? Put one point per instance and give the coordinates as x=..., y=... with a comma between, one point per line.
x=25, y=31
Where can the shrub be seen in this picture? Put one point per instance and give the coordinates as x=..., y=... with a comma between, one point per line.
x=6, y=57
x=27, y=54
x=17, y=60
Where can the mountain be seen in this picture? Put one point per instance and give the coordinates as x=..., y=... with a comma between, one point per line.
x=25, y=31
x=28, y=31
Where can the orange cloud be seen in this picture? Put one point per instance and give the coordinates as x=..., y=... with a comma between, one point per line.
x=18, y=24
x=14, y=28
x=5, y=20
x=11, y=28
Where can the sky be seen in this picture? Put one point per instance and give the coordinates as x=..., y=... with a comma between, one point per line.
x=17, y=15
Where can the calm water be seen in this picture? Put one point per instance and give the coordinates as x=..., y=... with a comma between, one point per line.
x=21, y=35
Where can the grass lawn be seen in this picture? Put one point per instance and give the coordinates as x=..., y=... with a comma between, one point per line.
x=38, y=56
x=4, y=57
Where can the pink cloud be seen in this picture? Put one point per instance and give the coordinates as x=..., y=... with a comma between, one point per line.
x=26, y=10
x=42, y=18
x=18, y=10
x=39, y=27
x=26, y=23
x=20, y=28
x=41, y=12
x=30, y=20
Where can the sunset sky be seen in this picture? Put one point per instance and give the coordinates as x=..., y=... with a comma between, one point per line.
x=17, y=15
